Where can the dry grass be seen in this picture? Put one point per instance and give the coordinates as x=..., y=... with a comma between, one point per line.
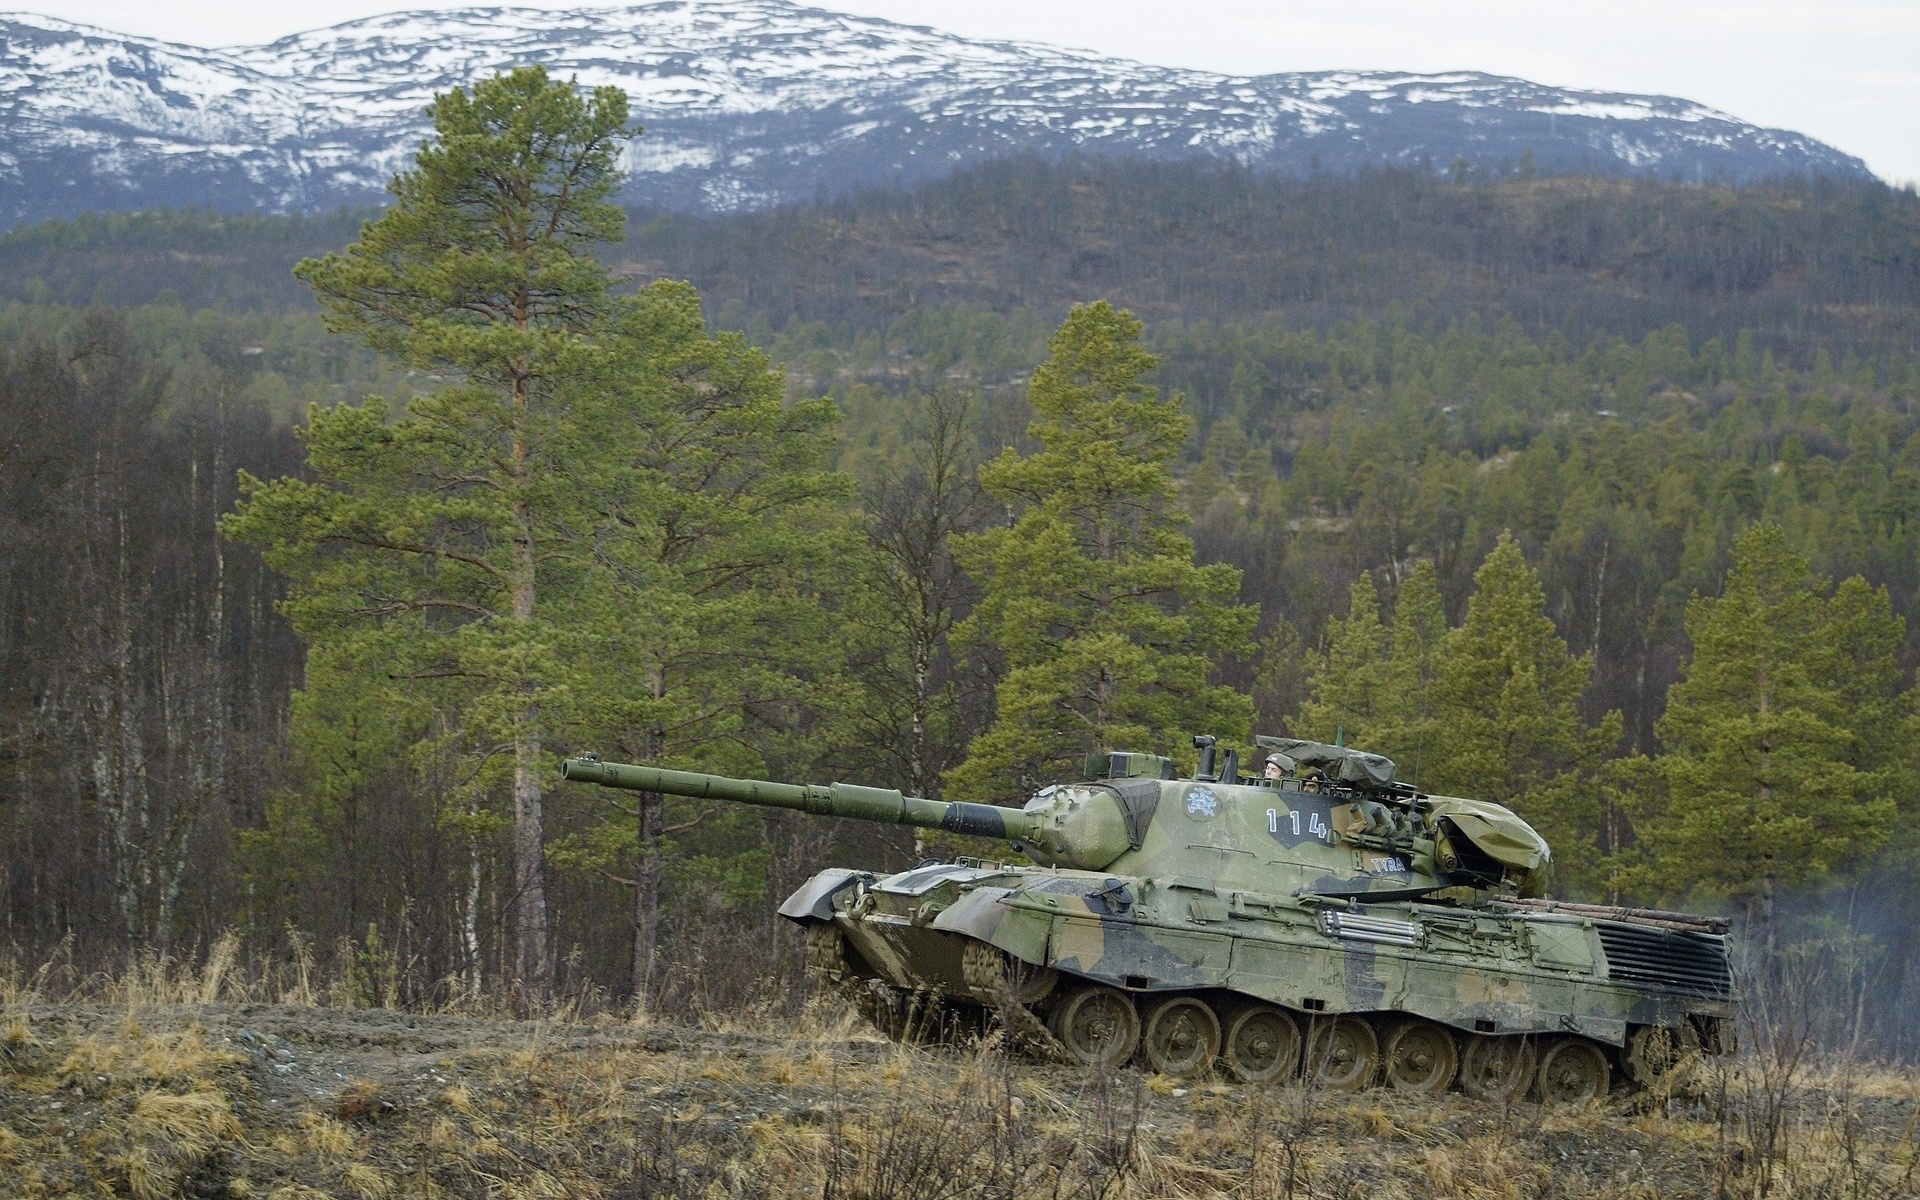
x=174, y=1103
x=349, y=976
x=168, y=1083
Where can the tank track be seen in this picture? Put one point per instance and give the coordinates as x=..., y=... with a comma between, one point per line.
x=904, y=1016
x=990, y=979
x=1333, y=1052
x=1192, y=1033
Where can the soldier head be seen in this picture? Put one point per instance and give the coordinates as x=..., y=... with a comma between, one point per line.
x=1274, y=770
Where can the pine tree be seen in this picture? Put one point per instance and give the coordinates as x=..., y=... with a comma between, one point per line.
x=1376, y=681
x=709, y=543
x=1770, y=785
x=1107, y=627
x=1350, y=687
x=1862, y=651
x=433, y=539
x=1411, y=722
x=1509, y=693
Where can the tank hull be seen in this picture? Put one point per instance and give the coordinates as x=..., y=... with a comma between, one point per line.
x=1478, y=972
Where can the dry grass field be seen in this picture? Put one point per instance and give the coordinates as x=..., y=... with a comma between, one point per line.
x=157, y=1086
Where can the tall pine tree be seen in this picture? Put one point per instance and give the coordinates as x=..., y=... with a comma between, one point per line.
x=1509, y=694
x=1349, y=688
x=1412, y=722
x=1108, y=629
x=432, y=543
x=1487, y=710
x=1780, y=751
x=1374, y=682
x=711, y=540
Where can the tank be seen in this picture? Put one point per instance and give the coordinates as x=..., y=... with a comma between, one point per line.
x=1319, y=919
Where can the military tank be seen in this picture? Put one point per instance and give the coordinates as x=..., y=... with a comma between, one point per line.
x=1319, y=919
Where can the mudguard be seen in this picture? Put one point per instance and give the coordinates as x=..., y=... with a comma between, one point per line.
x=982, y=914
x=814, y=900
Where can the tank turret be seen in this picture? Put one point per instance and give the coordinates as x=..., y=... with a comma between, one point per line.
x=1345, y=828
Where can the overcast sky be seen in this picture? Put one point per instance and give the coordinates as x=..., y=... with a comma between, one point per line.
x=1847, y=72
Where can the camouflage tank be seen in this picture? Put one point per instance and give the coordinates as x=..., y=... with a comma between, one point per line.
x=1329, y=920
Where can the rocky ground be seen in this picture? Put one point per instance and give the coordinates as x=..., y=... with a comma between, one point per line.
x=290, y=1101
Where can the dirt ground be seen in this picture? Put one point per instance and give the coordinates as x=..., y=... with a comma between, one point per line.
x=288, y=1101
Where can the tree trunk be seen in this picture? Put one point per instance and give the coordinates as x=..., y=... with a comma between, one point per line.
x=1599, y=597
x=647, y=868
x=120, y=769
x=470, y=924
x=922, y=652
x=1769, y=937
x=529, y=842
x=1766, y=802
x=646, y=897
x=529, y=882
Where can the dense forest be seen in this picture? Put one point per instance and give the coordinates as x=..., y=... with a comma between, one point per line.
x=1801, y=265
x=1384, y=396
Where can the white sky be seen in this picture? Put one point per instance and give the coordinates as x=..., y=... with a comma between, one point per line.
x=1847, y=72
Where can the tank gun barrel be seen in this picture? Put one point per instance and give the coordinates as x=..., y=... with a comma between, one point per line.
x=832, y=799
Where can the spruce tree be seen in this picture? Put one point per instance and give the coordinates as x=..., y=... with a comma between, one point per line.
x=1349, y=688
x=1509, y=692
x=1107, y=629
x=1412, y=721
x=1770, y=782
x=432, y=540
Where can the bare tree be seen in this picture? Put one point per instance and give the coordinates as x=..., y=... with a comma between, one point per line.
x=914, y=512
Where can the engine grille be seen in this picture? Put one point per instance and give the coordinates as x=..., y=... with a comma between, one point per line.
x=1694, y=963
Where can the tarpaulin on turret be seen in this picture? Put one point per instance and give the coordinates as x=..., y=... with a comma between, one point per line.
x=1339, y=762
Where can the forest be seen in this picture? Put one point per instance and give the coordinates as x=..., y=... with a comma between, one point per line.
x=1517, y=480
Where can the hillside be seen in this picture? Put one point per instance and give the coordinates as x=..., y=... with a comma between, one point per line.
x=1800, y=267
x=751, y=103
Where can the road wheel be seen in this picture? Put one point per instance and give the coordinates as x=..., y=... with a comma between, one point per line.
x=1420, y=1057
x=1181, y=1036
x=1097, y=1026
x=1496, y=1068
x=1661, y=1055
x=1262, y=1045
x=1573, y=1070
x=1342, y=1054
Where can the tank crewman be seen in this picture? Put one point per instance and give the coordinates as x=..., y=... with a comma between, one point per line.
x=1279, y=766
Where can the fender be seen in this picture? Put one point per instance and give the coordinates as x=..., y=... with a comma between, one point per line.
x=814, y=900
x=983, y=914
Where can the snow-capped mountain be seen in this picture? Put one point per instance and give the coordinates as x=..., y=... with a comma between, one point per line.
x=749, y=102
